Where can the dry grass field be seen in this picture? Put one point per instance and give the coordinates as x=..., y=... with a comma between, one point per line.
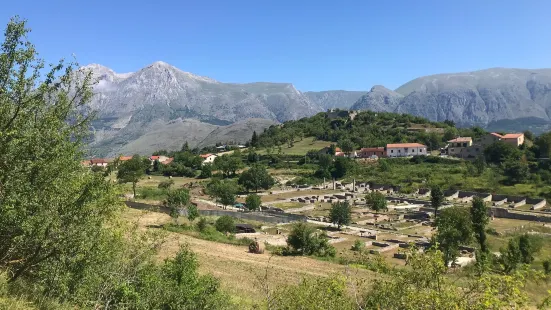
x=240, y=272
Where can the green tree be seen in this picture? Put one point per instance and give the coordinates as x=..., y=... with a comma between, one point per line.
x=254, y=140
x=479, y=217
x=511, y=256
x=185, y=147
x=516, y=171
x=340, y=213
x=228, y=164
x=347, y=146
x=436, y=199
x=176, y=200
x=52, y=211
x=304, y=240
x=529, y=135
x=341, y=167
x=480, y=165
x=225, y=224
x=224, y=191
x=384, y=165
x=192, y=212
x=206, y=171
x=499, y=152
x=450, y=133
x=255, y=178
x=454, y=229
x=132, y=171
x=253, y=202
x=376, y=201
x=166, y=184
x=332, y=149
x=543, y=144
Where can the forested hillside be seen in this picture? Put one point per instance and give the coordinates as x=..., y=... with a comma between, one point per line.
x=366, y=129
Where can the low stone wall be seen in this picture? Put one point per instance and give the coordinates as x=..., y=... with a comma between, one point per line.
x=526, y=216
x=451, y=194
x=537, y=203
x=263, y=216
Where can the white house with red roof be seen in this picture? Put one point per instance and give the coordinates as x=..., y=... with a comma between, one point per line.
x=516, y=139
x=208, y=158
x=405, y=149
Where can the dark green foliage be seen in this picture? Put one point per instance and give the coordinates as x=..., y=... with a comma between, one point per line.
x=479, y=217
x=480, y=165
x=304, y=240
x=358, y=246
x=255, y=178
x=436, y=198
x=254, y=140
x=340, y=213
x=202, y=224
x=253, y=157
x=176, y=200
x=166, y=184
x=185, y=148
x=225, y=224
x=342, y=166
x=253, y=202
x=192, y=213
x=228, y=164
x=454, y=229
x=546, y=264
x=132, y=170
x=500, y=152
x=347, y=146
x=376, y=201
x=543, y=145
x=223, y=190
x=516, y=171
x=206, y=171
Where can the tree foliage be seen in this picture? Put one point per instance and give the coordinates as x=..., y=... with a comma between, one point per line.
x=255, y=178
x=376, y=201
x=132, y=171
x=454, y=229
x=224, y=191
x=253, y=202
x=176, y=200
x=436, y=198
x=225, y=224
x=479, y=217
x=304, y=240
x=340, y=213
x=500, y=152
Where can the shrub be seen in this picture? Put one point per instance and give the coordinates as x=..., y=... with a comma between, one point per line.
x=225, y=224
x=304, y=240
x=166, y=184
x=358, y=246
x=202, y=224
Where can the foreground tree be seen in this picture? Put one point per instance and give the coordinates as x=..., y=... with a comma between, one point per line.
x=61, y=235
x=479, y=217
x=253, y=202
x=225, y=224
x=340, y=213
x=436, y=198
x=228, y=164
x=257, y=177
x=192, y=212
x=376, y=201
x=132, y=171
x=454, y=229
x=176, y=200
x=305, y=240
x=224, y=191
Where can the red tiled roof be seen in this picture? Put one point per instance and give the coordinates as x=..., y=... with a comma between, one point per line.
x=338, y=149
x=496, y=135
x=154, y=157
x=461, y=139
x=512, y=135
x=404, y=145
x=339, y=154
x=98, y=161
x=205, y=155
x=168, y=161
x=125, y=158
x=372, y=149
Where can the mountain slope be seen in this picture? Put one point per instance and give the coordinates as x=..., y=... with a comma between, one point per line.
x=341, y=99
x=471, y=98
x=136, y=107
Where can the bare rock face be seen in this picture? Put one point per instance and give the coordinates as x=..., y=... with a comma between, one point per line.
x=334, y=99
x=132, y=105
x=472, y=98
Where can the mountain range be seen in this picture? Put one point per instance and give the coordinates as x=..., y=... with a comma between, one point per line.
x=162, y=107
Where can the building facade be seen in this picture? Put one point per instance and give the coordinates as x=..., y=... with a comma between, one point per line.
x=370, y=152
x=405, y=149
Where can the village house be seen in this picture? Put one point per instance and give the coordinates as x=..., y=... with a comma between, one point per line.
x=457, y=145
x=371, y=152
x=125, y=158
x=208, y=158
x=405, y=149
x=489, y=139
x=516, y=139
x=160, y=158
x=100, y=162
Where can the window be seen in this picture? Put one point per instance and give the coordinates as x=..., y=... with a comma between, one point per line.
x=391, y=151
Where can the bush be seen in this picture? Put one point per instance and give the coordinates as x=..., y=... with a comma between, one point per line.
x=358, y=246
x=202, y=224
x=225, y=224
x=166, y=184
x=304, y=240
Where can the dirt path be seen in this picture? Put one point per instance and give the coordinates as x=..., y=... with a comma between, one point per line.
x=239, y=271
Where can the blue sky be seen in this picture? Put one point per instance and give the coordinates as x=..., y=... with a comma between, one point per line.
x=316, y=45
